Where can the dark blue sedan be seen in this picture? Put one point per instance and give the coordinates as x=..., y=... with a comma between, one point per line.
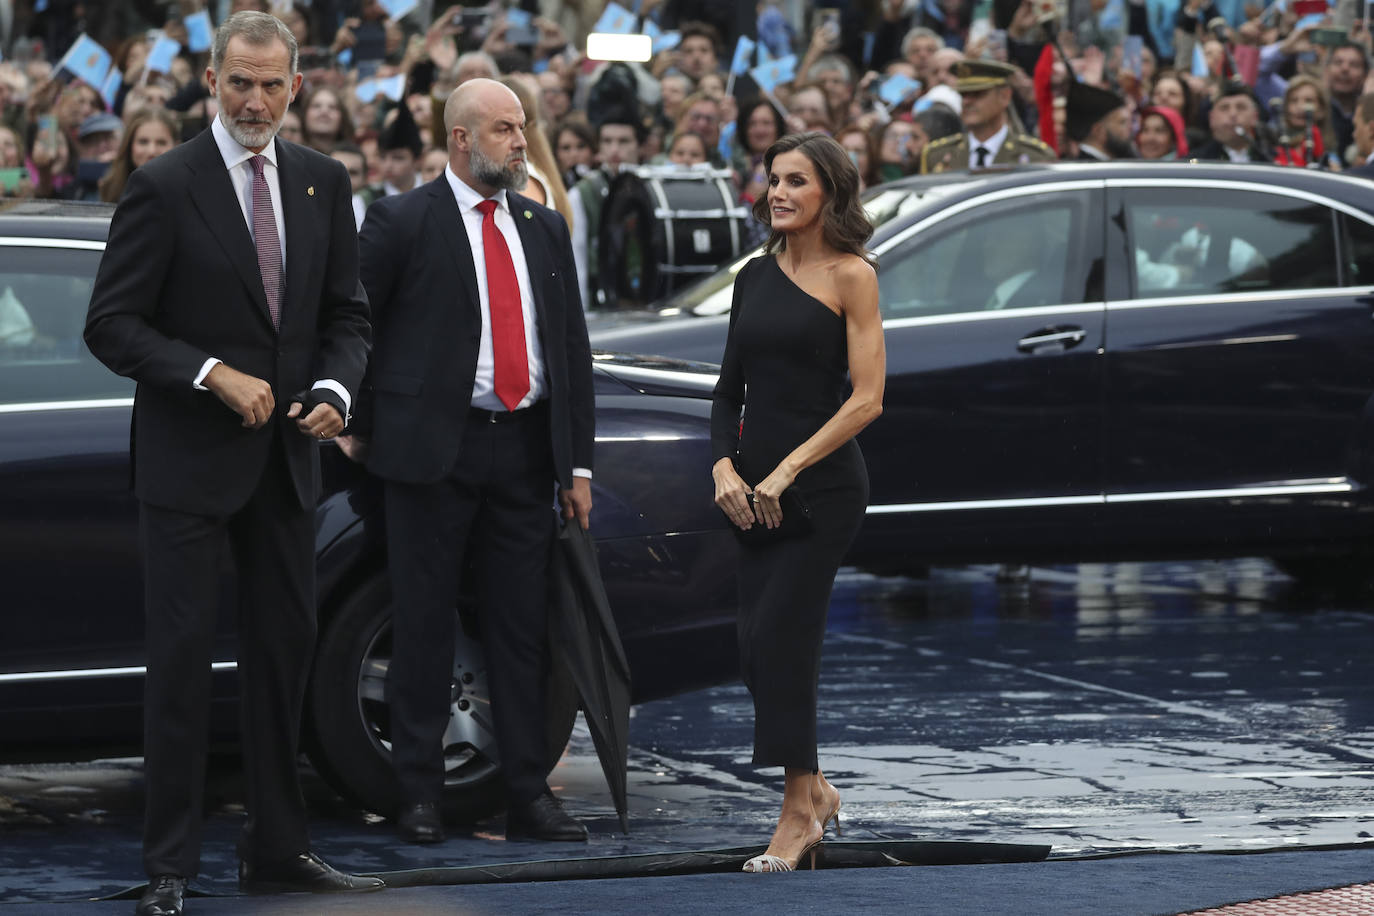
x=1095, y=362
x=71, y=663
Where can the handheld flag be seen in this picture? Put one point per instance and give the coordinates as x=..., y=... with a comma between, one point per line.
x=109, y=90
x=772, y=74
x=1200, y=63
x=198, y=31
x=161, y=55
x=396, y=9
x=896, y=88
x=616, y=20
x=744, y=53
x=86, y=60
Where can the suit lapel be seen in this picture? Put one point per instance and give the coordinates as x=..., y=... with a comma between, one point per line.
x=214, y=199
x=536, y=261
x=445, y=209
x=299, y=202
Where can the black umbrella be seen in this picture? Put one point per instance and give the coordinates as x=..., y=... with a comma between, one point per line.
x=584, y=634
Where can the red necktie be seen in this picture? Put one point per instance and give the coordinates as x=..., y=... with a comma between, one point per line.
x=265, y=240
x=512, y=368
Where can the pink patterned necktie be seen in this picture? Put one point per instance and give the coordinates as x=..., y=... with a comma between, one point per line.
x=265, y=240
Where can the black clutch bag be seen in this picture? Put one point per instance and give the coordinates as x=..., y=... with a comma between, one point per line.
x=796, y=520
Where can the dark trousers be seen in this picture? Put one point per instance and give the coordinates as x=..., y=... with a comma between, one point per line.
x=495, y=509
x=272, y=541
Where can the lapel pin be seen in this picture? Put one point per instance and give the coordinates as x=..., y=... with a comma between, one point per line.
x=310, y=190
x=529, y=215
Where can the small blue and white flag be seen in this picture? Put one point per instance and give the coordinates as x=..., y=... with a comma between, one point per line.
x=86, y=60
x=744, y=56
x=162, y=53
x=199, y=34
x=109, y=90
x=774, y=73
x=616, y=20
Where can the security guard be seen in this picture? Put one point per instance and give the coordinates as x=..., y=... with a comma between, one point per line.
x=985, y=87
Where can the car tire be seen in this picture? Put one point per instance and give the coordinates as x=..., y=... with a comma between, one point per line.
x=348, y=721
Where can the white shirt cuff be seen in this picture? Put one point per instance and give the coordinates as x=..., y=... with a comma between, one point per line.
x=331, y=385
x=204, y=371
x=583, y=472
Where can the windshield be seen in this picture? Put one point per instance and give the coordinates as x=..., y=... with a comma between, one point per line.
x=712, y=295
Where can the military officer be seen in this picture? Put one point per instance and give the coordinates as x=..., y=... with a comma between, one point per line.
x=985, y=88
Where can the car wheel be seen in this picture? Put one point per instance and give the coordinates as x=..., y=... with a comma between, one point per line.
x=350, y=722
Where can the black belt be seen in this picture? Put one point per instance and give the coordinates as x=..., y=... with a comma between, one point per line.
x=481, y=415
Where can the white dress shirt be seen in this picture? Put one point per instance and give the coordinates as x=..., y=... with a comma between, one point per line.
x=236, y=160
x=991, y=144
x=484, y=383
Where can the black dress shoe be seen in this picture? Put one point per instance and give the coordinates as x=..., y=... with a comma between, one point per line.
x=543, y=818
x=303, y=873
x=420, y=823
x=163, y=896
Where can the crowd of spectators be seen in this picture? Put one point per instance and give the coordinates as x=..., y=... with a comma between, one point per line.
x=1220, y=79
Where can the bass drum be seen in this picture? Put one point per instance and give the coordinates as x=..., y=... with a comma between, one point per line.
x=662, y=228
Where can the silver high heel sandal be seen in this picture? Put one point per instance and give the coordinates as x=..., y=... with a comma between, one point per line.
x=767, y=863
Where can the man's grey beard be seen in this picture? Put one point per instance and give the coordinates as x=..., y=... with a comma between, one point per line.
x=251, y=137
x=494, y=174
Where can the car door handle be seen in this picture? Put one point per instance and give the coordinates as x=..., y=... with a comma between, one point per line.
x=1056, y=338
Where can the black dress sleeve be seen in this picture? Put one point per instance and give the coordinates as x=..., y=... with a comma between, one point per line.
x=728, y=398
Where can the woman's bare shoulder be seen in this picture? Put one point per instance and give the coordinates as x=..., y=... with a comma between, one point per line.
x=852, y=268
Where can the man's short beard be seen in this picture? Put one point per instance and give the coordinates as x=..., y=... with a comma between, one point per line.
x=254, y=137
x=494, y=174
x=1119, y=147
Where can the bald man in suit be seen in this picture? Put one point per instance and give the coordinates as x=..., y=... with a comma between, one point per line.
x=478, y=406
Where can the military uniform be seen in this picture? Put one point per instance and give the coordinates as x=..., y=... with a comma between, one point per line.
x=949, y=154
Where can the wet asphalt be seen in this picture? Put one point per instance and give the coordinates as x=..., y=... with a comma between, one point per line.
x=1213, y=707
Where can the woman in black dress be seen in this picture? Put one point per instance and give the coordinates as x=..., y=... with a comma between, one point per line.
x=804, y=328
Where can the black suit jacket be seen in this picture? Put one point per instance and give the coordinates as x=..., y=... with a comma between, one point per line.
x=179, y=283
x=1365, y=170
x=417, y=267
x=1213, y=150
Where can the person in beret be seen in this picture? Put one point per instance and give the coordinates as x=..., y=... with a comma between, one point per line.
x=1234, y=121
x=1098, y=121
x=988, y=137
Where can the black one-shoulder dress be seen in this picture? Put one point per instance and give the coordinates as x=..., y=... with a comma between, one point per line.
x=783, y=375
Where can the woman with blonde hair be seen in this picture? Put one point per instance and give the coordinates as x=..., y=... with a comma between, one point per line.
x=1305, y=125
x=545, y=184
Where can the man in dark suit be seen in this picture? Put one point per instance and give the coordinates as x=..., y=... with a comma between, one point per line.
x=229, y=290
x=479, y=401
x=1361, y=166
x=1234, y=121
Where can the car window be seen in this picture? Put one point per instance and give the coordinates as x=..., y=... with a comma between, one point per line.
x=712, y=295
x=1006, y=255
x=1196, y=241
x=43, y=297
x=1359, y=251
